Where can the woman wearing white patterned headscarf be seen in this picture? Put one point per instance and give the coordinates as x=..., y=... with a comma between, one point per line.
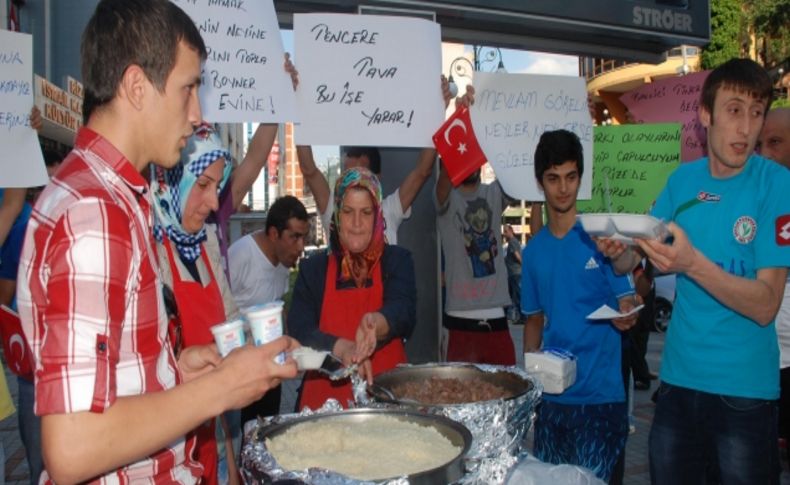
x=197, y=292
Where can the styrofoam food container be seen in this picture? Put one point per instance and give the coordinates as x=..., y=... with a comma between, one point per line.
x=640, y=226
x=554, y=368
x=229, y=335
x=597, y=224
x=266, y=324
x=308, y=358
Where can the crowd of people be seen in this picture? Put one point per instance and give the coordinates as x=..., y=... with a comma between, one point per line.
x=124, y=267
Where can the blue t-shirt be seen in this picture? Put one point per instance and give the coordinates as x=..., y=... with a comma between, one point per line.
x=567, y=279
x=742, y=223
x=12, y=247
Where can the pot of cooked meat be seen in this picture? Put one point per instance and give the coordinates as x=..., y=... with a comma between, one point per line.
x=446, y=385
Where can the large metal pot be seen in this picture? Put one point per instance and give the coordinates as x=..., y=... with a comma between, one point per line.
x=515, y=384
x=455, y=432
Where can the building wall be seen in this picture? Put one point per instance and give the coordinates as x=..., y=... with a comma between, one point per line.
x=56, y=26
x=291, y=174
x=418, y=234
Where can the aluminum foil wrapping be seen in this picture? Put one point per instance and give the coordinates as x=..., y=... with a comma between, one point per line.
x=499, y=427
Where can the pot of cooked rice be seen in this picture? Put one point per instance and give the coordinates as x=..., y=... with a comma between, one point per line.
x=495, y=403
x=372, y=445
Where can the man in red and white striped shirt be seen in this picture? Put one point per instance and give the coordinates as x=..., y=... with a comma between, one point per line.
x=115, y=401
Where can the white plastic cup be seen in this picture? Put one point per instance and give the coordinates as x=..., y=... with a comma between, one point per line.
x=266, y=324
x=229, y=335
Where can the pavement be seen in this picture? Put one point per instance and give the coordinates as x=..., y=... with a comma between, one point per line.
x=636, y=458
x=16, y=471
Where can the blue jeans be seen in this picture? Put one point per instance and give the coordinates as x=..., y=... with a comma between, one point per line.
x=699, y=438
x=30, y=428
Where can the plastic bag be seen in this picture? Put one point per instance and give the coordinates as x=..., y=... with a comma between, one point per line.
x=531, y=471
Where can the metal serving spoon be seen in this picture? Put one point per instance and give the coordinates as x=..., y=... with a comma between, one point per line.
x=322, y=361
x=335, y=369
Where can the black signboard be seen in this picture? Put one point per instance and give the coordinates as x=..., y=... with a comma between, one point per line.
x=621, y=29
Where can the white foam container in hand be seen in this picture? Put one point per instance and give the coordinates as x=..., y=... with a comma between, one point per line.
x=554, y=368
x=229, y=335
x=597, y=224
x=308, y=358
x=266, y=324
x=623, y=227
x=640, y=226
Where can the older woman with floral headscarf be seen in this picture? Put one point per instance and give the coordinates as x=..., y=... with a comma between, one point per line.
x=189, y=255
x=358, y=300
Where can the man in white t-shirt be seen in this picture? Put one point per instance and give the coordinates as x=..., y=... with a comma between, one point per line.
x=259, y=265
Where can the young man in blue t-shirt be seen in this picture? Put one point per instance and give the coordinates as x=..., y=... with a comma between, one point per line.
x=716, y=408
x=563, y=279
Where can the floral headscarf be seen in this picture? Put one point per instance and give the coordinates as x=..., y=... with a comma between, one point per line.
x=171, y=189
x=356, y=267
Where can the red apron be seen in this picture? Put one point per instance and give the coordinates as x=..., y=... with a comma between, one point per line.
x=341, y=312
x=199, y=308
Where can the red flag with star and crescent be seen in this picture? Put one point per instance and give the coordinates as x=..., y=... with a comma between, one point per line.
x=13, y=20
x=17, y=351
x=457, y=145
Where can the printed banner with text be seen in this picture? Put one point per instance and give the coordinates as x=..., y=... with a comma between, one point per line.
x=672, y=100
x=512, y=111
x=631, y=166
x=368, y=80
x=22, y=164
x=243, y=77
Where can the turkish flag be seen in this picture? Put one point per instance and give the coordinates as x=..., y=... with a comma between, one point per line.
x=457, y=144
x=17, y=351
x=13, y=21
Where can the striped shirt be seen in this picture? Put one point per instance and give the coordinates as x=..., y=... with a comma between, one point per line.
x=90, y=300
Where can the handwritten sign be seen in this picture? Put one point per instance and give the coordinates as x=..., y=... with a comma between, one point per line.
x=631, y=166
x=243, y=76
x=512, y=111
x=368, y=80
x=672, y=100
x=22, y=164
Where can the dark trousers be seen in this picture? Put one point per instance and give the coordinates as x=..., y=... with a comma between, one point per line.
x=784, y=406
x=639, y=334
x=618, y=471
x=701, y=438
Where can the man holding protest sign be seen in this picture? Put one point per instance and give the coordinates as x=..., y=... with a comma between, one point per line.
x=716, y=406
x=469, y=218
x=116, y=401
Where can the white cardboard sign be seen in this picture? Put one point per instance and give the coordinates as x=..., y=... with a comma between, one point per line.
x=512, y=111
x=22, y=163
x=368, y=80
x=243, y=76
